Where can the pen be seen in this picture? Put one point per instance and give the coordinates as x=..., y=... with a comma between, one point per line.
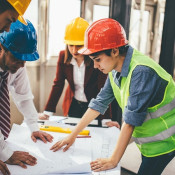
x=83, y=136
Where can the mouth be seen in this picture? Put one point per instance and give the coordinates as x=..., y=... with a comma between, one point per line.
x=75, y=54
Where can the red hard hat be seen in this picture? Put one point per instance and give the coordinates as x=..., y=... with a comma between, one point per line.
x=102, y=35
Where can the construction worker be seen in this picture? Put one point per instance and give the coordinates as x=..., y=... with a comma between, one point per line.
x=16, y=47
x=84, y=82
x=144, y=91
x=10, y=11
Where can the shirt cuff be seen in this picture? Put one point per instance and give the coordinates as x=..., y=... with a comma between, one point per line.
x=134, y=118
x=33, y=127
x=48, y=113
x=5, y=152
x=101, y=108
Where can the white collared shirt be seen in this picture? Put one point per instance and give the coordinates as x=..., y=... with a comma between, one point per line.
x=79, y=76
x=19, y=88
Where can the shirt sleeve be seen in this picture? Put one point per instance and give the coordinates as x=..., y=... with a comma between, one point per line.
x=5, y=151
x=103, y=99
x=146, y=90
x=23, y=98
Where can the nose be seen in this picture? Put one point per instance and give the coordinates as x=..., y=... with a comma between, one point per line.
x=75, y=49
x=96, y=65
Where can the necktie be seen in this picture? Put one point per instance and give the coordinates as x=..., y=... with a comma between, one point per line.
x=4, y=105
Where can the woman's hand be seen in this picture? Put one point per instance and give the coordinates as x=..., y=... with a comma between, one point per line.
x=68, y=141
x=103, y=164
x=113, y=123
x=42, y=116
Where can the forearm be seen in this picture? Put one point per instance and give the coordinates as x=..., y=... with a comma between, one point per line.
x=5, y=151
x=28, y=109
x=89, y=115
x=124, y=138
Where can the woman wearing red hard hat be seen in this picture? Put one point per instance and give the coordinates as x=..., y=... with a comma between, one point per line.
x=144, y=91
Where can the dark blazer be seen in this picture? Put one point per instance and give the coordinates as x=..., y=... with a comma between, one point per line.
x=93, y=82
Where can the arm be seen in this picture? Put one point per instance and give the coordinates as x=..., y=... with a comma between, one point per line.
x=58, y=85
x=23, y=98
x=89, y=115
x=96, y=106
x=16, y=158
x=111, y=162
x=5, y=151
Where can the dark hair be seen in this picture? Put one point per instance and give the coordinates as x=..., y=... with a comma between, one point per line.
x=122, y=51
x=5, y=5
x=68, y=57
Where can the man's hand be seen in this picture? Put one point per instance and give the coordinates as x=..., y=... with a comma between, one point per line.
x=3, y=168
x=41, y=135
x=21, y=158
x=102, y=164
x=69, y=140
x=42, y=116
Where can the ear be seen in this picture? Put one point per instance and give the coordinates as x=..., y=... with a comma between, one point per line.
x=1, y=49
x=115, y=51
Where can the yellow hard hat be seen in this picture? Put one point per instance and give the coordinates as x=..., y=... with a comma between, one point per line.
x=20, y=6
x=74, y=33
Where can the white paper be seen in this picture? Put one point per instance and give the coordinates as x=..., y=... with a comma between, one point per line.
x=74, y=161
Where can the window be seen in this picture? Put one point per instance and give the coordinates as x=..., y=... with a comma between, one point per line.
x=32, y=13
x=139, y=40
x=100, y=11
x=60, y=14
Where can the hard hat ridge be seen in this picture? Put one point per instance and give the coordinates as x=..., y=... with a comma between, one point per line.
x=20, y=6
x=21, y=41
x=74, y=32
x=103, y=34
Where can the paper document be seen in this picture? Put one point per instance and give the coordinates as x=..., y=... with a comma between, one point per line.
x=74, y=161
x=47, y=160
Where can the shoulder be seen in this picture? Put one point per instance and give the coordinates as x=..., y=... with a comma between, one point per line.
x=21, y=73
x=141, y=69
x=144, y=74
x=61, y=56
x=62, y=53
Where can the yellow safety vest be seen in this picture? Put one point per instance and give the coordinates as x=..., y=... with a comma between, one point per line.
x=156, y=136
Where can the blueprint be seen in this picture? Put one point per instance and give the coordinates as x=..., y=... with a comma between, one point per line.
x=74, y=161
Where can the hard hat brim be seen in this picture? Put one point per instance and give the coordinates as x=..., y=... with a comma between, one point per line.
x=21, y=19
x=73, y=42
x=85, y=51
x=26, y=57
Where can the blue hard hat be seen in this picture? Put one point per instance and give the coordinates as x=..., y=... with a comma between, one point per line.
x=21, y=41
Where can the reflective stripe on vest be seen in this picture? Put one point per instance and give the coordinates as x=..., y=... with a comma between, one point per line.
x=161, y=136
x=161, y=111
